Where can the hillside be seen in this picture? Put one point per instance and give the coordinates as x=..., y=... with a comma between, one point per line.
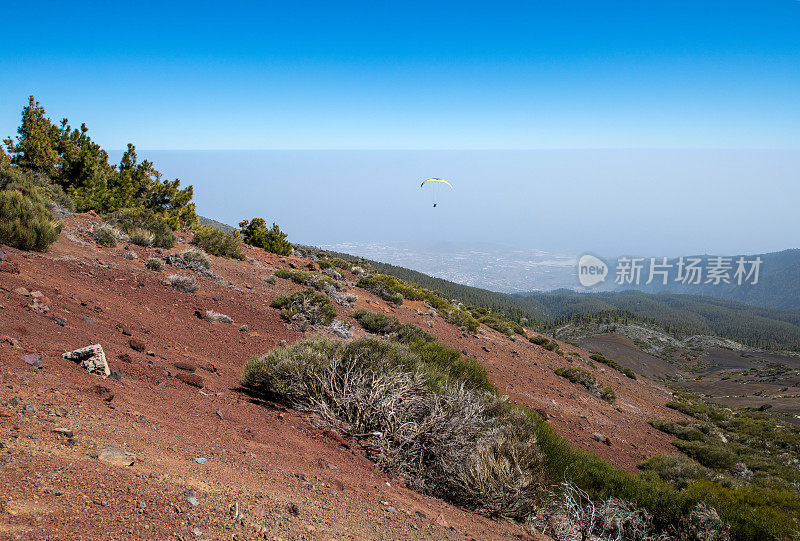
x=260, y=456
x=683, y=315
x=166, y=378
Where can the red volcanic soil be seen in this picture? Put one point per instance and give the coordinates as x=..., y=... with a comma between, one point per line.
x=262, y=471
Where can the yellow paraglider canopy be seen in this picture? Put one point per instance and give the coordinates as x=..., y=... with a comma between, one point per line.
x=436, y=180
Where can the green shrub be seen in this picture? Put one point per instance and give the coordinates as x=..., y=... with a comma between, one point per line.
x=455, y=367
x=218, y=242
x=256, y=233
x=678, y=469
x=704, y=411
x=141, y=237
x=544, y=342
x=448, y=362
x=584, y=378
x=394, y=290
x=313, y=279
x=389, y=325
x=379, y=288
x=500, y=323
x=35, y=184
x=132, y=219
x=306, y=307
x=26, y=222
x=613, y=364
x=195, y=258
x=154, y=264
x=105, y=235
x=337, y=262
x=607, y=394
x=714, y=455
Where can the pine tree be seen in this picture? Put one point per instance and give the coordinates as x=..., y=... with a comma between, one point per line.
x=36, y=148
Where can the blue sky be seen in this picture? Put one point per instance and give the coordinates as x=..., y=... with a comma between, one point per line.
x=651, y=128
x=419, y=75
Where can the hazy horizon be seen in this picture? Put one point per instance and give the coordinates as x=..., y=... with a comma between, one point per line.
x=665, y=202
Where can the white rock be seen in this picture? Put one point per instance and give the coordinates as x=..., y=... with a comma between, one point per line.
x=92, y=358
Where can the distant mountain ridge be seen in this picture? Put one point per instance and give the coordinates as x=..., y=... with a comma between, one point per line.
x=225, y=228
x=778, y=283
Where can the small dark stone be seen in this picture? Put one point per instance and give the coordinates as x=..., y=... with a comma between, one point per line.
x=294, y=509
x=188, y=367
x=33, y=359
x=115, y=374
x=137, y=345
x=57, y=319
x=126, y=358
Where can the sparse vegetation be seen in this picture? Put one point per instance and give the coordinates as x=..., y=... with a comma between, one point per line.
x=544, y=342
x=613, y=364
x=394, y=290
x=141, y=237
x=447, y=360
x=464, y=446
x=379, y=288
x=256, y=233
x=183, y=282
x=337, y=262
x=105, y=235
x=218, y=243
x=154, y=264
x=738, y=444
x=397, y=401
x=313, y=279
x=304, y=308
x=582, y=377
x=136, y=220
x=391, y=326
x=496, y=321
x=195, y=260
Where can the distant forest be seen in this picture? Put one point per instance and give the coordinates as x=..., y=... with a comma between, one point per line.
x=678, y=315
